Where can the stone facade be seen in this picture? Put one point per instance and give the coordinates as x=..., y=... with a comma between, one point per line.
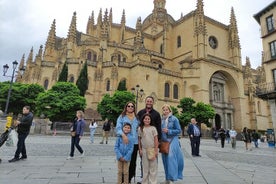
x=194, y=56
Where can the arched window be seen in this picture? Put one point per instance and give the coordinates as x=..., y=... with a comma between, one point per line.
x=167, y=90
x=89, y=56
x=178, y=41
x=94, y=57
x=108, y=85
x=175, y=91
x=46, y=83
x=161, y=49
x=71, y=79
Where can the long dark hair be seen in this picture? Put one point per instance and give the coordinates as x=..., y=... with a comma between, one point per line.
x=142, y=124
x=125, y=108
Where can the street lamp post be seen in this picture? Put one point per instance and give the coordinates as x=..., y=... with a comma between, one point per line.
x=5, y=69
x=138, y=93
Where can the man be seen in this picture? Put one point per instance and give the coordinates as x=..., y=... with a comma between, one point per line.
x=233, y=135
x=106, y=130
x=155, y=118
x=23, y=128
x=194, y=135
x=255, y=137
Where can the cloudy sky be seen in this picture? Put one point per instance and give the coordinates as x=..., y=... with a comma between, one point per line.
x=25, y=23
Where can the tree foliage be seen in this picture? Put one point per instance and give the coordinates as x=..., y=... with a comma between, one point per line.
x=63, y=76
x=122, y=86
x=112, y=106
x=82, y=81
x=190, y=109
x=61, y=102
x=21, y=95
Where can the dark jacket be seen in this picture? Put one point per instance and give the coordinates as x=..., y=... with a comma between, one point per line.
x=25, y=123
x=156, y=119
x=107, y=126
x=190, y=130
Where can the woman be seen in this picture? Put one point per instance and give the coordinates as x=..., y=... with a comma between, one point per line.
x=93, y=125
x=129, y=116
x=77, y=130
x=246, y=136
x=173, y=162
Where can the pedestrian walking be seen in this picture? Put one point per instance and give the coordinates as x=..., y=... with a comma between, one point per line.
x=123, y=154
x=23, y=125
x=173, y=162
x=148, y=149
x=246, y=136
x=77, y=130
x=255, y=138
x=233, y=134
x=129, y=116
x=222, y=135
x=106, y=130
x=92, y=126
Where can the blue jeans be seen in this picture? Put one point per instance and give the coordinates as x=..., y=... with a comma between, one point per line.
x=256, y=143
x=92, y=132
x=75, y=141
x=21, y=145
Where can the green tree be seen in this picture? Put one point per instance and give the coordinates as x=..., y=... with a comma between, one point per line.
x=61, y=102
x=190, y=109
x=63, y=76
x=122, y=86
x=112, y=106
x=82, y=81
x=21, y=95
x=204, y=112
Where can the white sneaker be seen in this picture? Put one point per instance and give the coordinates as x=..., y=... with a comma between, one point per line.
x=82, y=155
x=70, y=158
x=165, y=182
x=170, y=182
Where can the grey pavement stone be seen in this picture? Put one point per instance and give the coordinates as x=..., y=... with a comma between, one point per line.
x=47, y=163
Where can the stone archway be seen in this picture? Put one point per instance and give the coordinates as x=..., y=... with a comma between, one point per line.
x=217, y=122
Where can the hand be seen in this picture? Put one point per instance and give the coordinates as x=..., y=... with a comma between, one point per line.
x=140, y=153
x=125, y=139
x=165, y=130
x=16, y=123
x=79, y=137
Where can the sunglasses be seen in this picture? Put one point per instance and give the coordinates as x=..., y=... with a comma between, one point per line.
x=130, y=106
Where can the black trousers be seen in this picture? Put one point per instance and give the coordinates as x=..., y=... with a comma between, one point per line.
x=195, y=142
x=132, y=165
x=21, y=148
x=75, y=141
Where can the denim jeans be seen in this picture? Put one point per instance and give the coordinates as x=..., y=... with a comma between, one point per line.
x=92, y=132
x=21, y=145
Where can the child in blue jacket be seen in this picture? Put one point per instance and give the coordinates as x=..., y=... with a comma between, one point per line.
x=123, y=154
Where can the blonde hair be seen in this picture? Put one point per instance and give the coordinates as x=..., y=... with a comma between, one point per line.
x=81, y=113
x=168, y=106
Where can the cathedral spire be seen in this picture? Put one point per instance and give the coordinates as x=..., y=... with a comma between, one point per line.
x=90, y=24
x=123, y=26
x=110, y=17
x=30, y=57
x=123, y=19
x=200, y=31
x=72, y=33
x=50, y=43
x=234, y=40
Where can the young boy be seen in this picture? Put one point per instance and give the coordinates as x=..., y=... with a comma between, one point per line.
x=123, y=154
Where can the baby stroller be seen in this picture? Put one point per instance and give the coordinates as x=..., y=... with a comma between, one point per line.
x=4, y=136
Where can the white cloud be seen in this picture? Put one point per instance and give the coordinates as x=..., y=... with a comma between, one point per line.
x=25, y=24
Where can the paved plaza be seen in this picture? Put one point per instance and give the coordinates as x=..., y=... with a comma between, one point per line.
x=47, y=164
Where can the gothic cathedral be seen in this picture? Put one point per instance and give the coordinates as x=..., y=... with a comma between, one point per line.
x=194, y=56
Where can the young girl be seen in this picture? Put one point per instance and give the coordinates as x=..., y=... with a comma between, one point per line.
x=123, y=154
x=148, y=149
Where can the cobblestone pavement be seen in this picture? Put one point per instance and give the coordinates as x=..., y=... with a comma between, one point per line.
x=47, y=163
